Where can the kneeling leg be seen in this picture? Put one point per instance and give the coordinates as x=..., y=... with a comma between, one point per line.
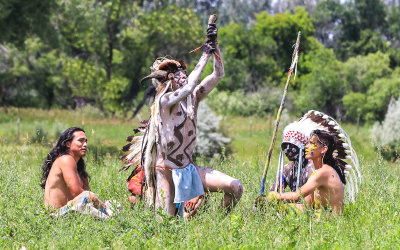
x=216, y=181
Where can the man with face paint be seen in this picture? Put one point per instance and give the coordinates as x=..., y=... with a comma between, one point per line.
x=170, y=135
x=293, y=140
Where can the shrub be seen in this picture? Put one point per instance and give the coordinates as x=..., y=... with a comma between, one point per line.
x=386, y=135
x=210, y=141
x=239, y=103
x=40, y=136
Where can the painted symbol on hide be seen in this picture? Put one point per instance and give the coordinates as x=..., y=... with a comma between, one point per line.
x=170, y=145
x=179, y=157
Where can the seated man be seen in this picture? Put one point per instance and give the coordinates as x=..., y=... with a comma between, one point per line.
x=326, y=183
x=65, y=179
x=296, y=173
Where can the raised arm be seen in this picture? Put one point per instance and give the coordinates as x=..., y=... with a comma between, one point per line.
x=209, y=47
x=209, y=83
x=173, y=97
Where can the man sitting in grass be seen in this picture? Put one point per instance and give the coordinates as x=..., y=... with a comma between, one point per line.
x=326, y=184
x=296, y=173
x=65, y=180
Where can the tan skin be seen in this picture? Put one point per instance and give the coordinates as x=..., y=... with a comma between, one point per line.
x=324, y=185
x=64, y=185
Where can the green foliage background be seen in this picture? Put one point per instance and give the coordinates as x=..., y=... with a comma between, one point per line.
x=67, y=54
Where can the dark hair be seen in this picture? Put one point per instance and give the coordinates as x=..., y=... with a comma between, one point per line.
x=59, y=150
x=330, y=140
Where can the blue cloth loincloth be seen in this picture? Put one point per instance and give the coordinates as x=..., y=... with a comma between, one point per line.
x=187, y=183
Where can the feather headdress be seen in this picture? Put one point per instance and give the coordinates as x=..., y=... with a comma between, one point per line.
x=295, y=134
x=343, y=151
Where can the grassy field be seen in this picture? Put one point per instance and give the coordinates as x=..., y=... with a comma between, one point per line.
x=371, y=222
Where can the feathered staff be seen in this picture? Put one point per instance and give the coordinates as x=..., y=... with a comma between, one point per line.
x=295, y=58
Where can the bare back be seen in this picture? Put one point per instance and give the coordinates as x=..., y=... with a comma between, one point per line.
x=324, y=184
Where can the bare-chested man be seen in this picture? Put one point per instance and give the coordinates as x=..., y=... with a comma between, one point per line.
x=326, y=183
x=173, y=129
x=65, y=179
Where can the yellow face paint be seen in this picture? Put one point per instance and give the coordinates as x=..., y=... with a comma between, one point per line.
x=313, y=145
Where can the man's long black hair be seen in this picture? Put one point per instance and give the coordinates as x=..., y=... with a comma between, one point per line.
x=329, y=140
x=59, y=150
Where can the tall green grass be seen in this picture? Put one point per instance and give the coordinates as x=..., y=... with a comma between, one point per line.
x=371, y=222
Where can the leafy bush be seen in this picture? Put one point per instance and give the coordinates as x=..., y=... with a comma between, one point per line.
x=321, y=88
x=210, y=141
x=387, y=134
x=370, y=83
x=40, y=136
x=242, y=104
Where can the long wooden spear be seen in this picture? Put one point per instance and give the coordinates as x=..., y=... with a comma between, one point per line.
x=295, y=58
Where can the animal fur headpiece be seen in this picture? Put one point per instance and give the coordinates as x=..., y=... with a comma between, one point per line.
x=163, y=69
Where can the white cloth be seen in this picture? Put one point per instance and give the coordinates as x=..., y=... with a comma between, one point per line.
x=83, y=206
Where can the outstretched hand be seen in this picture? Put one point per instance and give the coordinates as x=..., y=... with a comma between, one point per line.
x=263, y=200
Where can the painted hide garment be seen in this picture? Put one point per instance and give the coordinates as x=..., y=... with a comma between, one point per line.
x=290, y=175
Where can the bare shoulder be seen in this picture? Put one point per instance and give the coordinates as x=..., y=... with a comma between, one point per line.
x=326, y=170
x=65, y=161
x=320, y=174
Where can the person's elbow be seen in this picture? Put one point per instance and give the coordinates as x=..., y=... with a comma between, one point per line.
x=76, y=191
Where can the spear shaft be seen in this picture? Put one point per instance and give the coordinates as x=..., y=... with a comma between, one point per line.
x=295, y=57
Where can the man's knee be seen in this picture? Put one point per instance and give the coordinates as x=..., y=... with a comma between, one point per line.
x=237, y=189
